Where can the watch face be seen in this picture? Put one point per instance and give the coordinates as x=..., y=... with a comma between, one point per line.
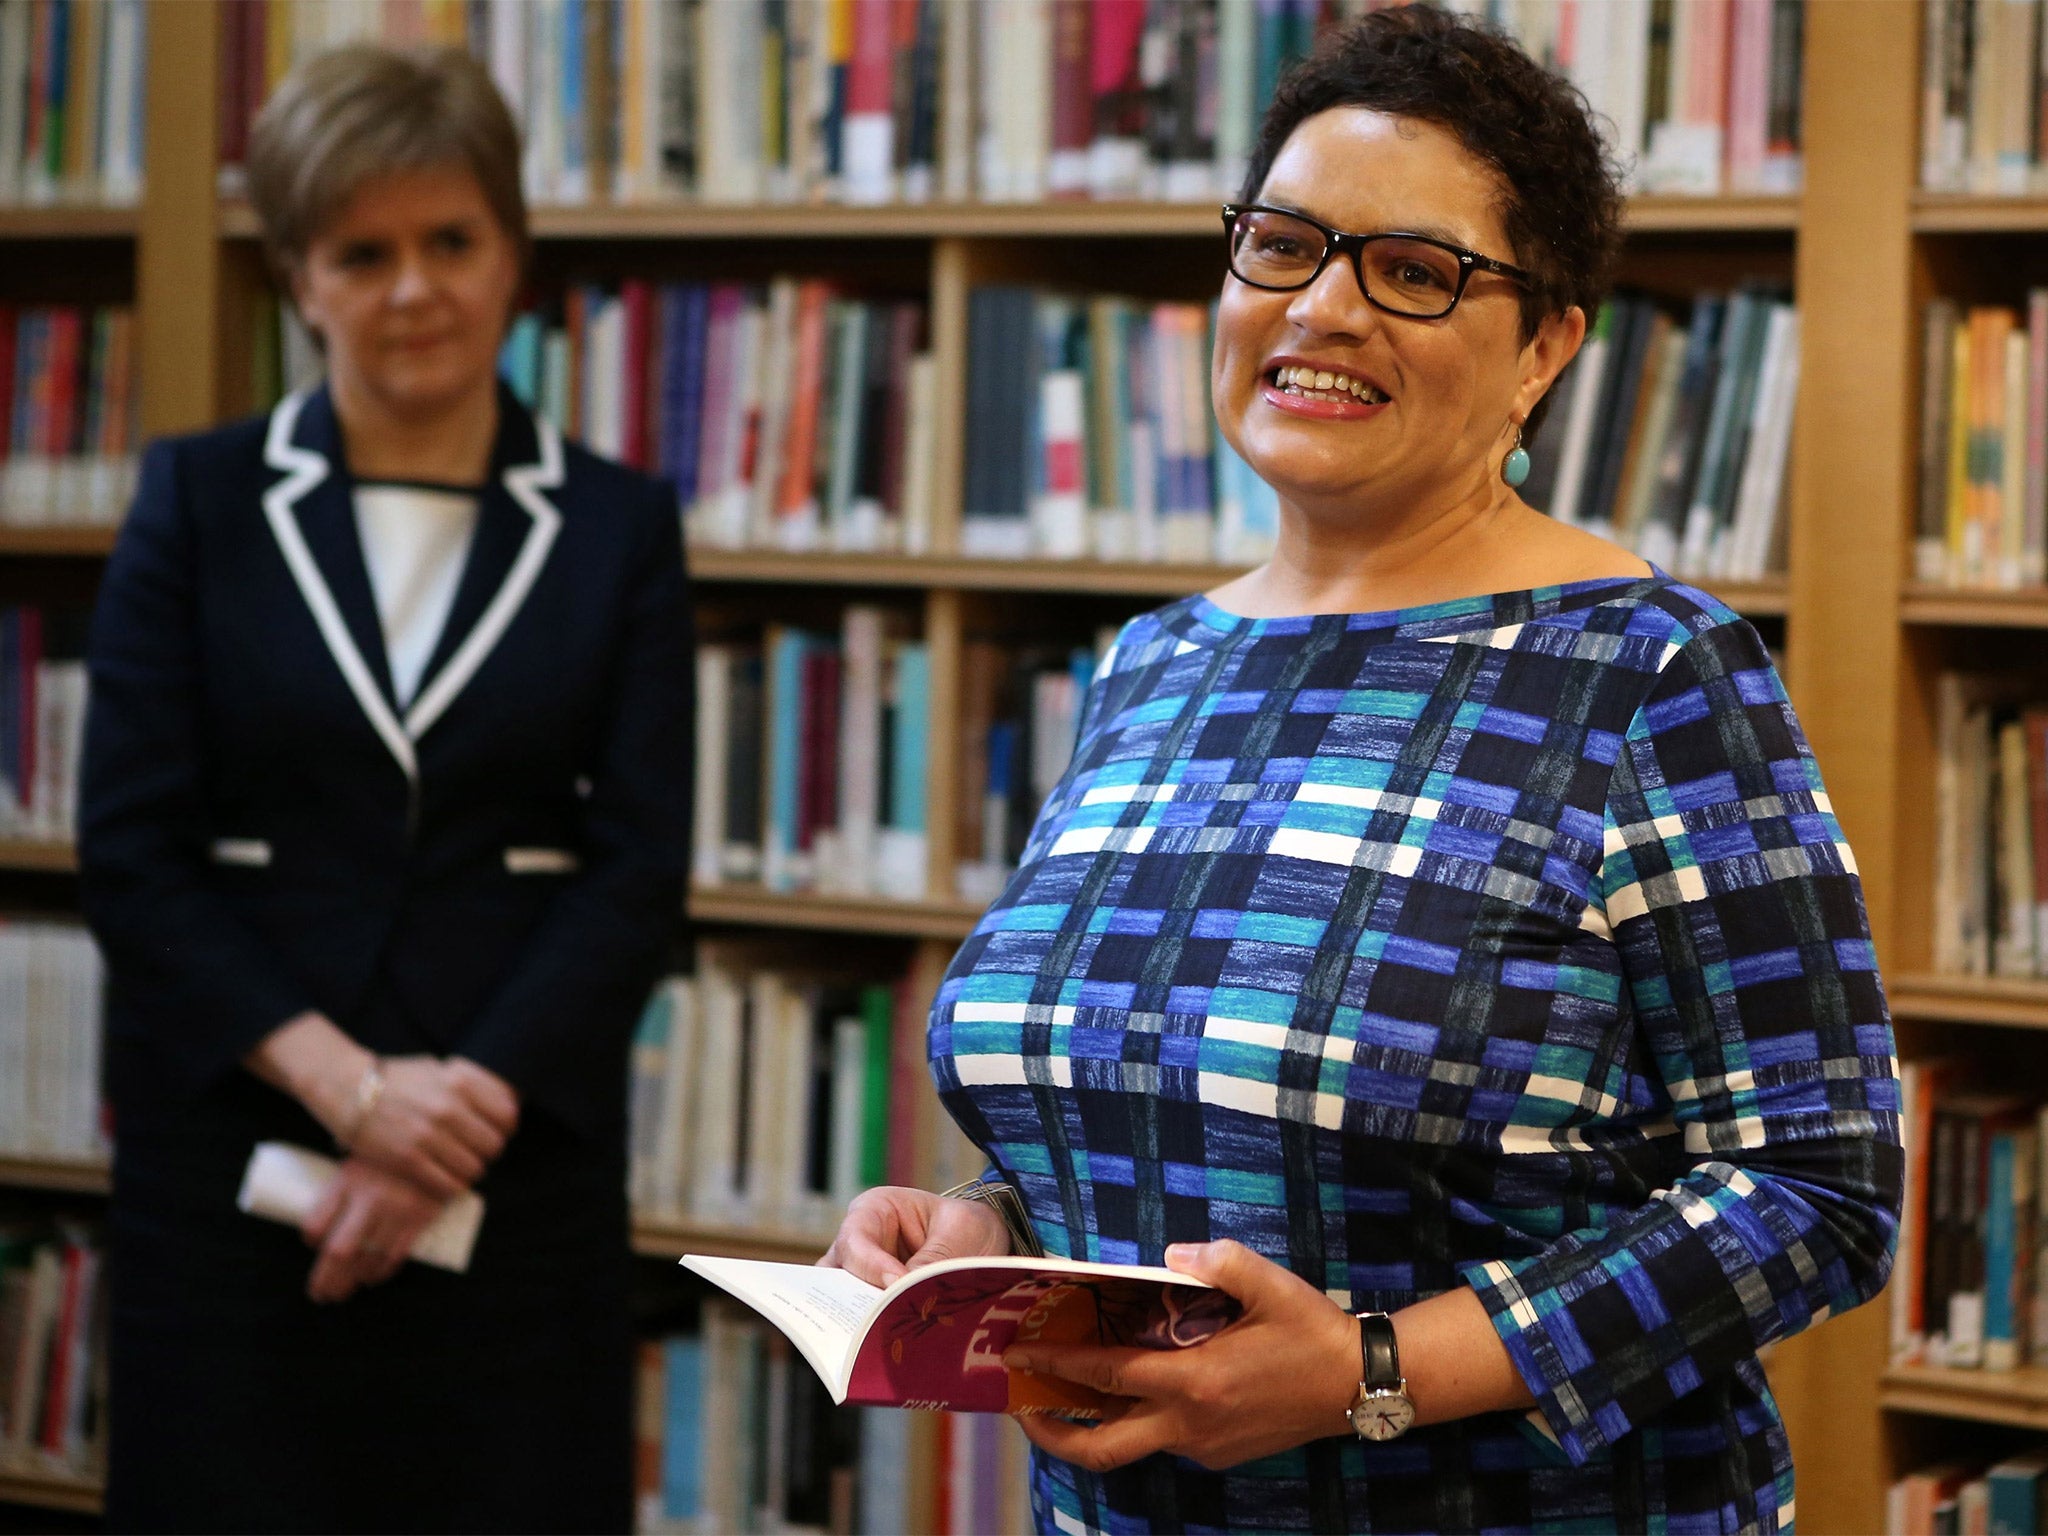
x=1382, y=1416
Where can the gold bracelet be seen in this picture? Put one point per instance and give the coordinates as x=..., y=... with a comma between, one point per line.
x=369, y=1089
x=1003, y=1199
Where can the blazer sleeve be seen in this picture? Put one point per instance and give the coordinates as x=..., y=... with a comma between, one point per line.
x=206, y=986
x=1747, y=961
x=605, y=940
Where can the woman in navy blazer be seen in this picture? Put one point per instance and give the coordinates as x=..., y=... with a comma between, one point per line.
x=393, y=893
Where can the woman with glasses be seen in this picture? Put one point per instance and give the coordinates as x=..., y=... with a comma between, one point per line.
x=1441, y=939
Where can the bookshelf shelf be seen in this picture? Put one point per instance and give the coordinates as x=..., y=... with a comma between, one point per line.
x=91, y=540
x=671, y=1240
x=1991, y=1397
x=69, y=222
x=77, y=1176
x=2000, y=608
x=1942, y=213
x=756, y=907
x=38, y=854
x=2012, y=1004
x=1048, y=220
x=1767, y=598
x=52, y=1490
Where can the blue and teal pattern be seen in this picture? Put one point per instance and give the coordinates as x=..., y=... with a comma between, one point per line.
x=1508, y=942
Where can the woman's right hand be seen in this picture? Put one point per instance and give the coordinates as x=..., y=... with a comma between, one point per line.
x=436, y=1123
x=889, y=1231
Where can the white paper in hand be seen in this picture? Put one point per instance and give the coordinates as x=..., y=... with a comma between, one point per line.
x=284, y=1183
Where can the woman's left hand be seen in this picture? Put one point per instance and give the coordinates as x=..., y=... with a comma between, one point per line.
x=364, y=1227
x=1286, y=1372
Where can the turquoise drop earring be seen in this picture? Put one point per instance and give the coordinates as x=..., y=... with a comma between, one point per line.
x=1515, y=467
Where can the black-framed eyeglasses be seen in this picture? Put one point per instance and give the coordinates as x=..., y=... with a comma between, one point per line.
x=1403, y=274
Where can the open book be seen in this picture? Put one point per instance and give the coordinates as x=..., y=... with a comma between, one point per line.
x=935, y=1339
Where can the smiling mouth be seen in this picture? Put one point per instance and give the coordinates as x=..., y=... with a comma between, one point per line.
x=1324, y=384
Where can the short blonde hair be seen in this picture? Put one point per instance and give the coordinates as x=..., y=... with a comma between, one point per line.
x=361, y=111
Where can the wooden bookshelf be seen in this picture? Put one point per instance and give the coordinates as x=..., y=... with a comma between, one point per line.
x=1973, y=213
x=77, y=1176
x=88, y=540
x=1759, y=599
x=1965, y=607
x=670, y=1240
x=53, y=1491
x=2018, y=1398
x=1849, y=241
x=1033, y=221
x=38, y=855
x=757, y=907
x=2010, y=1004
x=69, y=221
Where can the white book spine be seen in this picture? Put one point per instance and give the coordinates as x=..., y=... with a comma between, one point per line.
x=709, y=789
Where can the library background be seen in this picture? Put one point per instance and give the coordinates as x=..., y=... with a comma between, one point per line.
x=910, y=300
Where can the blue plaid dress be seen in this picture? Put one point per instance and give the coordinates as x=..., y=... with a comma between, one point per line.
x=1507, y=942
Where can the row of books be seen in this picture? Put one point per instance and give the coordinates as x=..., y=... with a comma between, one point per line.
x=52, y=1356
x=875, y=101
x=762, y=1093
x=1991, y=825
x=811, y=766
x=1969, y=1286
x=1701, y=96
x=51, y=985
x=1020, y=712
x=72, y=81
x=736, y=1433
x=1983, y=65
x=1970, y=1498
x=1672, y=435
x=1089, y=433
x=68, y=381
x=788, y=415
x=858, y=101
x=42, y=720
x=1983, y=500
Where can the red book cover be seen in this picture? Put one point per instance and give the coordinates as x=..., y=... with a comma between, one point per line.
x=66, y=363
x=1118, y=87
x=805, y=384
x=63, y=1348
x=638, y=298
x=935, y=1338
x=1073, y=100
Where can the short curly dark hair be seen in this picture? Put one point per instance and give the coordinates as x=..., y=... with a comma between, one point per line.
x=1563, y=208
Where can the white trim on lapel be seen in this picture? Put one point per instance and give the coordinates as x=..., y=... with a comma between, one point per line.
x=304, y=469
x=525, y=483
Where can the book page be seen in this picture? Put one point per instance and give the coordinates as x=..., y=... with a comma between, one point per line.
x=823, y=1312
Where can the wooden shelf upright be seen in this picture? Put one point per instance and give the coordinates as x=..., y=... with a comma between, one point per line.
x=1860, y=640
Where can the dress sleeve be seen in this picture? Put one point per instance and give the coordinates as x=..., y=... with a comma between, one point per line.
x=212, y=988
x=1733, y=900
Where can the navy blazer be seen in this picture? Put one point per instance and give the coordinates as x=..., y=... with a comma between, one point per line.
x=496, y=871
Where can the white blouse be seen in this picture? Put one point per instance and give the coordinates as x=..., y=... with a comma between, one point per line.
x=415, y=539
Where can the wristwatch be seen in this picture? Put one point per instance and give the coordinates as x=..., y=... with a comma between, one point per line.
x=1383, y=1410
